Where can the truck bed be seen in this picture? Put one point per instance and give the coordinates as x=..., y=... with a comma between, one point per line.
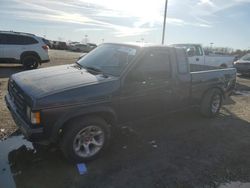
x=202, y=80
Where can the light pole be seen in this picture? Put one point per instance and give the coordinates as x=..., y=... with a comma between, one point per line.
x=142, y=40
x=211, y=45
x=164, y=22
x=86, y=39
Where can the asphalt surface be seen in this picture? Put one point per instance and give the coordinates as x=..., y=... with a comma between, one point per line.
x=181, y=150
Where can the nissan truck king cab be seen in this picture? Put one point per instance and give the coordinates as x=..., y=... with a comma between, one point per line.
x=77, y=106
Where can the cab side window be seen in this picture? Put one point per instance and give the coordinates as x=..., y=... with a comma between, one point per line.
x=155, y=65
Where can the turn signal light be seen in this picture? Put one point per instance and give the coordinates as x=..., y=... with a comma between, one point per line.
x=35, y=118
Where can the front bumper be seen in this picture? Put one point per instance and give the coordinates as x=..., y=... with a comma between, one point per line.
x=32, y=134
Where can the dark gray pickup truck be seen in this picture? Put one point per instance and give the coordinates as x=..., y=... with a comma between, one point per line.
x=78, y=105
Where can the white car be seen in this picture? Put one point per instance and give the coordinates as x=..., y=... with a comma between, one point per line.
x=23, y=48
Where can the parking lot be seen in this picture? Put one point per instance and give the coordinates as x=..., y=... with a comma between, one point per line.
x=175, y=150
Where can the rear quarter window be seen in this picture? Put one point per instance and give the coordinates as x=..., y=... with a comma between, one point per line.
x=182, y=61
x=27, y=40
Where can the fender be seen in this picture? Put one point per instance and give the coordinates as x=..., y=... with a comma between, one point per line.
x=105, y=111
x=29, y=53
x=215, y=87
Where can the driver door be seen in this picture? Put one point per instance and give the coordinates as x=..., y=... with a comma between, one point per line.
x=147, y=87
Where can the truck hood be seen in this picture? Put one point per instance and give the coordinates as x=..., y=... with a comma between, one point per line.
x=46, y=81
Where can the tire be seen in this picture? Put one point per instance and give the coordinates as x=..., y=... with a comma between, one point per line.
x=211, y=103
x=84, y=139
x=30, y=62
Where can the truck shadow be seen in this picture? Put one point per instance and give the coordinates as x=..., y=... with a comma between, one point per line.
x=177, y=150
x=7, y=71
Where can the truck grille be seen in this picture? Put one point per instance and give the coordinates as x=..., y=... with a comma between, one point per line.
x=17, y=98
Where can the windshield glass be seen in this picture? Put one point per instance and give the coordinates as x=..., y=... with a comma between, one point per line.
x=109, y=58
x=246, y=57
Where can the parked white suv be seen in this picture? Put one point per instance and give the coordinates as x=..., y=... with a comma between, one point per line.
x=24, y=48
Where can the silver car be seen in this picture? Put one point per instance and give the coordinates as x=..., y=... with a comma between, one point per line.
x=243, y=64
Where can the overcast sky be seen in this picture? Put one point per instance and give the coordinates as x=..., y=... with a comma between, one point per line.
x=223, y=22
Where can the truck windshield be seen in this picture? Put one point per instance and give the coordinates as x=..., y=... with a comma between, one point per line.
x=109, y=58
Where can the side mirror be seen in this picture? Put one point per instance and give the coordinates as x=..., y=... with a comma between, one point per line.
x=190, y=52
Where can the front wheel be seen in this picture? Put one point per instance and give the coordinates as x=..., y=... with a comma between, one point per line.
x=211, y=103
x=85, y=138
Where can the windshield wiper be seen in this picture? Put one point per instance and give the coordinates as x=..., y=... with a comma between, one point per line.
x=78, y=65
x=95, y=69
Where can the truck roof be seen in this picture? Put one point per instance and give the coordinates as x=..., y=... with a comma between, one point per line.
x=142, y=45
x=185, y=44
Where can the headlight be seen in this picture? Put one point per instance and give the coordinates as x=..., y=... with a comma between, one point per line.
x=34, y=117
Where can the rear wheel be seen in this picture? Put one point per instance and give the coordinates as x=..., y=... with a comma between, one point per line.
x=30, y=62
x=211, y=103
x=85, y=138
